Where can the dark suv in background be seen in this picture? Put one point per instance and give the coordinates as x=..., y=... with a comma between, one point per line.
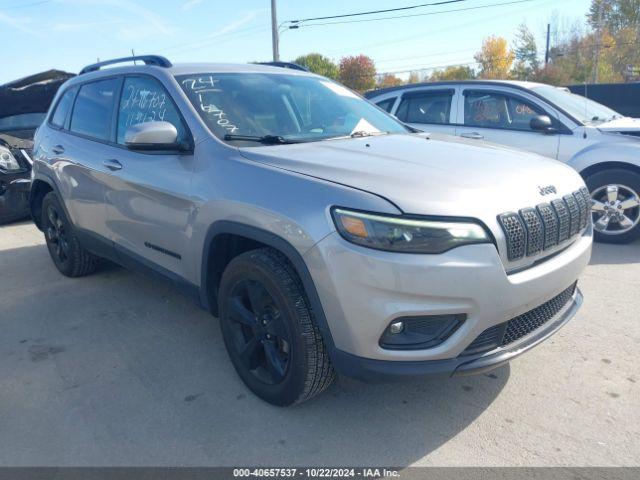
x=23, y=107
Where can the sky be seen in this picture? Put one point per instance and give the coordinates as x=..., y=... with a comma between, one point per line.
x=67, y=34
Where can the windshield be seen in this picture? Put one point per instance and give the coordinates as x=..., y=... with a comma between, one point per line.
x=244, y=107
x=23, y=121
x=585, y=110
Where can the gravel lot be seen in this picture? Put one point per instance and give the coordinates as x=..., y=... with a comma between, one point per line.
x=119, y=369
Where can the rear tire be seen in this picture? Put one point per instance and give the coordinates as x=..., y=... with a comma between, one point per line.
x=269, y=329
x=68, y=255
x=617, y=222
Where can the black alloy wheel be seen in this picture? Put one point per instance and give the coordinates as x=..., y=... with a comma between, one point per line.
x=56, y=235
x=259, y=331
x=269, y=329
x=67, y=253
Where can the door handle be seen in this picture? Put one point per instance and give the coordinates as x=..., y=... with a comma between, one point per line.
x=473, y=135
x=58, y=149
x=112, y=164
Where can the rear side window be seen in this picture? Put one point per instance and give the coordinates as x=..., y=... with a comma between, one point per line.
x=497, y=110
x=426, y=107
x=387, y=104
x=144, y=99
x=93, y=110
x=62, y=109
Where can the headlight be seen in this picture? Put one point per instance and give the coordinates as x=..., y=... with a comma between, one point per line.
x=402, y=234
x=8, y=163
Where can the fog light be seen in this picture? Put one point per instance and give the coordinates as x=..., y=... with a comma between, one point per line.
x=396, y=327
x=418, y=333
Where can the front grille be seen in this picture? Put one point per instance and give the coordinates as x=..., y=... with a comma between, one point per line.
x=574, y=214
x=550, y=223
x=563, y=218
x=516, y=233
x=534, y=230
x=582, y=207
x=518, y=327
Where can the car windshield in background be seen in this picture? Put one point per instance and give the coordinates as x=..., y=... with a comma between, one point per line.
x=277, y=108
x=585, y=110
x=23, y=121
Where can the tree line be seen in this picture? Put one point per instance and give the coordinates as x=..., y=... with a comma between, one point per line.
x=604, y=49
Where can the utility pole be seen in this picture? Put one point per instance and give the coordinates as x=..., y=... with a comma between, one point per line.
x=546, y=54
x=596, y=60
x=274, y=32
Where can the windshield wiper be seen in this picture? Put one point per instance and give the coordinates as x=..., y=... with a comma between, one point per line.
x=364, y=133
x=357, y=134
x=265, y=139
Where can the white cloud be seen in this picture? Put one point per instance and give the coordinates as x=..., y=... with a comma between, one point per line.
x=246, y=17
x=189, y=4
x=81, y=26
x=136, y=21
x=19, y=23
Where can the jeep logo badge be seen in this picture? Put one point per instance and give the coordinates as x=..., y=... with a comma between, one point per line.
x=549, y=189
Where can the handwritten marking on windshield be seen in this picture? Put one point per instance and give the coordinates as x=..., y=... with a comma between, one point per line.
x=204, y=87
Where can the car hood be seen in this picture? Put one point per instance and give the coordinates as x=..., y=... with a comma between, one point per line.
x=20, y=139
x=31, y=94
x=625, y=124
x=435, y=175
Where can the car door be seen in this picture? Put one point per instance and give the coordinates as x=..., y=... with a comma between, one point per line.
x=504, y=117
x=431, y=110
x=148, y=196
x=77, y=148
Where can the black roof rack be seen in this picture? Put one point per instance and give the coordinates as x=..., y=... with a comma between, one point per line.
x=157, y=60
x=291, y=65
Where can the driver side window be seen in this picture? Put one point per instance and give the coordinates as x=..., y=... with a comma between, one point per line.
x=497, y=110
x=144, y=99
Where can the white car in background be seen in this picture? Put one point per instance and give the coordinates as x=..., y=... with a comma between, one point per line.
x=598, y=142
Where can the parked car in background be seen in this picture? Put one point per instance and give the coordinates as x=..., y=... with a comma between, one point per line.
x=323, y=233
x=601, y=144
x=23, y=106
x=621, y=97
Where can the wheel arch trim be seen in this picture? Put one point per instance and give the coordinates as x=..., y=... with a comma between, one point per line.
x=600, y=166
x=278, y=243
x=46, y=179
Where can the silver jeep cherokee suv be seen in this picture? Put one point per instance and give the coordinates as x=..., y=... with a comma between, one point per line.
x=325, y=235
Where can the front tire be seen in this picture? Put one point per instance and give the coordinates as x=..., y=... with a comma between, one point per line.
x=269, y=329
x=615, y=205
x=68, y=255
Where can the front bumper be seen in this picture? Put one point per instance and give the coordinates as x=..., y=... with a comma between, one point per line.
x=14, y=196
x=367, y=369
x=362, y=291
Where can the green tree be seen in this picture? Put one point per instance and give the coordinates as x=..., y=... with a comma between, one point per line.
x=357, y=72
x=319, y=64
x=526, y=54
x=453, y=73
x=616, y=14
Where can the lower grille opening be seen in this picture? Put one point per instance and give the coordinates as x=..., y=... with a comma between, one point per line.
x=508, y=332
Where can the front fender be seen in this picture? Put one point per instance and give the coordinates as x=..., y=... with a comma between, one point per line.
x=618, y=153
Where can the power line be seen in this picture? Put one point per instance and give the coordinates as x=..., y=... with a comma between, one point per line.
x=373, y=12
x=207, y=40
x=430, y=33
x=479, y=7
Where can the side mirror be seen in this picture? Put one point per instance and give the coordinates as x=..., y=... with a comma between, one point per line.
x=152, y=136
x=542, y=124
